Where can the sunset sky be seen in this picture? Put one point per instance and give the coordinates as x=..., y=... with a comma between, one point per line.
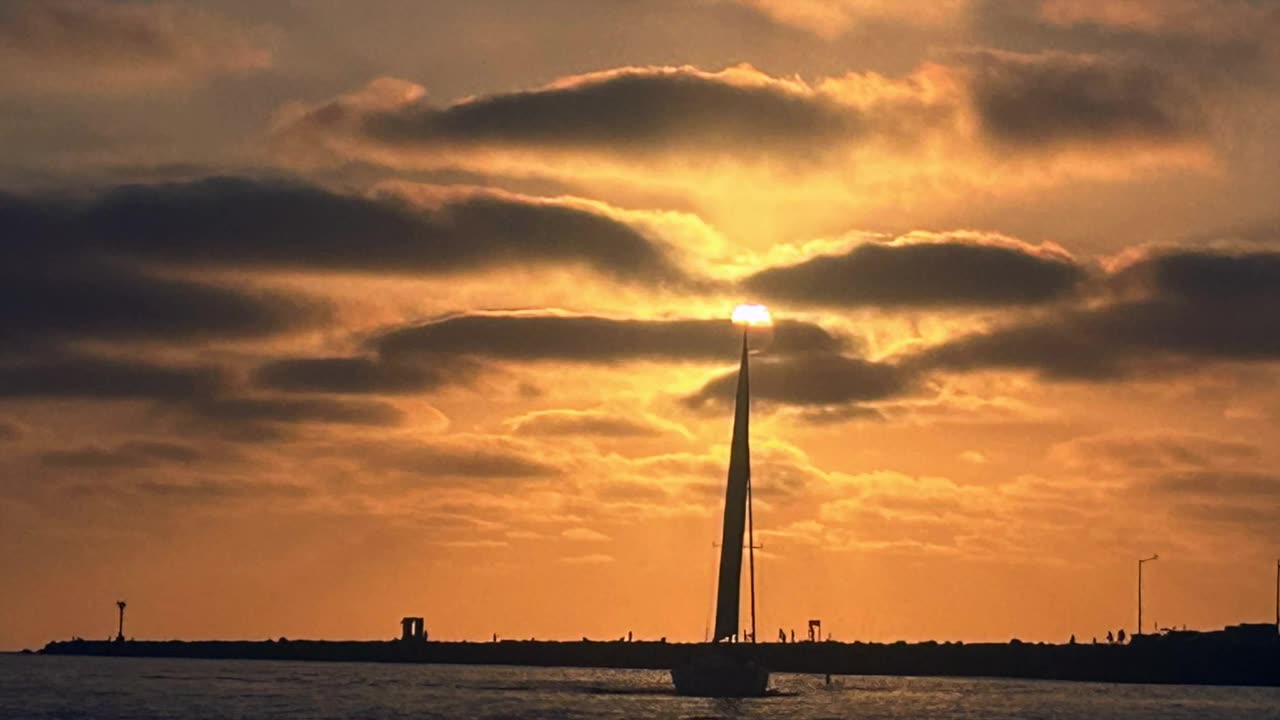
x=319, y=314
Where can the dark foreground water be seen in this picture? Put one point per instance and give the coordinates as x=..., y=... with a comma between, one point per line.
x=142, y=689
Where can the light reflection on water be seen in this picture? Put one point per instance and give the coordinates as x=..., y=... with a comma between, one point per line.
x=146, y=689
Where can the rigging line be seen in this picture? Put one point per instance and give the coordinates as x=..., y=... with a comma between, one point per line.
x=751, y=525
x=751, y=553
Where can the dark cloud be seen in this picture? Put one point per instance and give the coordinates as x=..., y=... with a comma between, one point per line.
x=202, y=491
x=346, y=375
x=594, y=339
x=58, y=279
x=945, y=274
x=1048, y=98
x=238, y=222
x=85, y=376
x=1020, y=100
x=1155, y=452
x=1210, y=277
x=1198, y=479
x=248, y=411
x=1219, y=484
x=616, y=111
x=85, y=31
x=588, y=422
x=1199, y=306
x=1218, y=44
x=96, y=46
x=139, y=453
x=1058, y=348
x=799, y=362
x=69, y=299
x=189, y=494
x=811, y=380
x=77, y=269
x=464, y=458
x=1249, y=517
x=203, y=395
x=838, y=414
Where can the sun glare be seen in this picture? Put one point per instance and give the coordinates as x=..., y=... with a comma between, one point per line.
x=752, y=315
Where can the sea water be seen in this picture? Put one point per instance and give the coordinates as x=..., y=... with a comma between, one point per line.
x=40, y=687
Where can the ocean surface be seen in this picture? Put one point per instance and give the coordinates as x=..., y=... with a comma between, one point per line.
x=40, y=687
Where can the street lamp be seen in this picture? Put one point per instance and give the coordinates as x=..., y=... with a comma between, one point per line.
x=1143, y=560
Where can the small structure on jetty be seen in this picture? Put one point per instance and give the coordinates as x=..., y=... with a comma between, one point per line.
x=412, y=629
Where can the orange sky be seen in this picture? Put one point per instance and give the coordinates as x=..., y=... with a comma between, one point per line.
x=319, y=316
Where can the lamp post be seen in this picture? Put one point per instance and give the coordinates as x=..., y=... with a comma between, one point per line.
x=1278, y=596
x=120, y=631
x=1143, y=560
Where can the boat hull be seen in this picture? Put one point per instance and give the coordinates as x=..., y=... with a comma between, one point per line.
x=720, y=675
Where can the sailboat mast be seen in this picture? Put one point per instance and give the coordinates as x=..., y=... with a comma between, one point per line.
x=729, y=593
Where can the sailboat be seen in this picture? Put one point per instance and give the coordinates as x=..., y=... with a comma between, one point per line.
x=722, y=668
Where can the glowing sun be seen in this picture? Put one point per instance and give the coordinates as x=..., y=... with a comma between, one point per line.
x=752, y=315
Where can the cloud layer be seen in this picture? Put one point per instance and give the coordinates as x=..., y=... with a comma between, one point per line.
x=1174, y=310
x=96, y=46
x=591, y=339
x=243, y=222
x=622, y=111
x=1039, y=100
x=946, y=273
x=1018, y=102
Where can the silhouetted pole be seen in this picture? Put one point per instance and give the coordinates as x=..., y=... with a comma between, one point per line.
x=120, y=630
x=1143, y=560
x=1278, y=596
